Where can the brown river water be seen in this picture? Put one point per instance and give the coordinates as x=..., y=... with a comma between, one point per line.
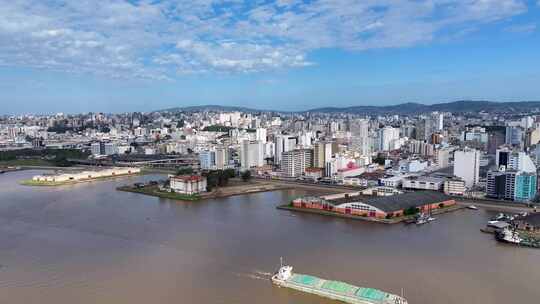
x=88, y=243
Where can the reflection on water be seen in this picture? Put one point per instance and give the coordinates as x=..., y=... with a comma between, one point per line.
x=88, y=243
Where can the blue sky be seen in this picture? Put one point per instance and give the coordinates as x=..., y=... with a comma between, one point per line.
x=119, y=55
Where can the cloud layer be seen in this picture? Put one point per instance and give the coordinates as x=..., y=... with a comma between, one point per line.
x=161, y=39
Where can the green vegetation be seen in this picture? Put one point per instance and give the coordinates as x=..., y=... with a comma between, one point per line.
x=217, y=178
x=154, y=191
x=184, y=171
x=43, y=157
x=246, y=175
x=380, y=159
x=26, y=162
x=218, y=128
x=411, y=211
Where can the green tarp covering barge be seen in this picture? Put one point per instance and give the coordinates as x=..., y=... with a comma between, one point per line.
x=348, y=293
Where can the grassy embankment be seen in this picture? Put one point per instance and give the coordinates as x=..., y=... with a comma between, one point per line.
x=154, y=191
x=26, y=162
x=29, y=182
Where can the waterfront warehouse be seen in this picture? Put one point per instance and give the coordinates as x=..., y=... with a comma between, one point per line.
x=376, y=207
x=75, y=176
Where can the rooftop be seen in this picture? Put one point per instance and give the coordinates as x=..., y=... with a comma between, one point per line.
x=396, y=202
x=188, y=178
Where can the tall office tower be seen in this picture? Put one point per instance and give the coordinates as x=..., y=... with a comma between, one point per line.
x=318, y=155
x=295, y=162
x=511, y=184
x=436, y=122
x=261, y=135
x=387, y=137
x=502, y=157
x=467, y=166
x=222, y=157
x=514, y=136
x=323, y=152
x=360, y=136
x=283, y=143
x=251, y=154
x=420, y=130
x=207, y=159
x=443, y=157
x=496, y=138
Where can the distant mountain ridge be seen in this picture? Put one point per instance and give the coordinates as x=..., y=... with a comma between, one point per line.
x=461, y=106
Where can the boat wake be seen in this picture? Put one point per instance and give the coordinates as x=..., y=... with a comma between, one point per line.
x=252, y=276
x=263, y=273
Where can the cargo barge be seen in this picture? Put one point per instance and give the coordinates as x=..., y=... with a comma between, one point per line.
x=334, y=290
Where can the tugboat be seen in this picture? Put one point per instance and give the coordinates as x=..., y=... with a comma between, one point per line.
x=509, y=236
x=334, y=290
x=424, y=218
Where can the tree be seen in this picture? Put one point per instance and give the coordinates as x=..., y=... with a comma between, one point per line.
x=230, y=173
x=184, y=171
x=379, y=159
x=246, y=175
x=411, y=211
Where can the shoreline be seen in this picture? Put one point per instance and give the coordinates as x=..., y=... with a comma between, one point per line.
x=31, y=183
x=402, y=219
x=228, y=191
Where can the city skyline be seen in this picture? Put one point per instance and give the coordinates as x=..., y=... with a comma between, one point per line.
x=115, y=56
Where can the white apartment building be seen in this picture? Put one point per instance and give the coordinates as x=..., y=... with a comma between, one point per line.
x=467, y=166
x=251, y=154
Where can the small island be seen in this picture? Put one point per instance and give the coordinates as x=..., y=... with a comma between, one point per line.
x=188, y=186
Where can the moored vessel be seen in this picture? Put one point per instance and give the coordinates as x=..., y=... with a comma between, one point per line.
x=340, y=291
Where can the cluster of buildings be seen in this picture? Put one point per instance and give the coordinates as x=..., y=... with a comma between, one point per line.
x=460, y=154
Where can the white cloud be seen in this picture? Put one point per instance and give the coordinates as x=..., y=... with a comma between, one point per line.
x=152, y=39
x=522, y=28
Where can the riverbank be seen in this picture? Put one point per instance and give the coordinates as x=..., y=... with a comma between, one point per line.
x=496, y=206
x=153, y=190
x=333, y=189
x=394, y=220
x=234, y=189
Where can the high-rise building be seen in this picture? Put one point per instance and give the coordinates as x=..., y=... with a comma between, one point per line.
x=295, y=162
x=519, y=161
x=207, y=159
x=222, y=157
x=443, y=158
x=251, y=154
x=467, y=166
x=511, y=185
x=283, y=143
x=360, y=136
x=260, y=135
x=323, y=152
x=387, y=138
x=514, y=136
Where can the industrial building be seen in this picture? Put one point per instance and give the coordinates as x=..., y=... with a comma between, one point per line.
x=85, y=175
x=378, y=206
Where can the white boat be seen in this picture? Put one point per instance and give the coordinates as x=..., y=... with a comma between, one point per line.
x=424, y=218
x=509, y=236
x=472, y=207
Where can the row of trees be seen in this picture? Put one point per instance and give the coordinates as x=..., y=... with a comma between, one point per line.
x=44, y=153
x=216, y=178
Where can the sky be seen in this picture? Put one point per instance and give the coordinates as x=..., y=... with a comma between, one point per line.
x=125, y=55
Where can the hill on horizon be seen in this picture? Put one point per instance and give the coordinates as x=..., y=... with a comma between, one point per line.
x=461, y=106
